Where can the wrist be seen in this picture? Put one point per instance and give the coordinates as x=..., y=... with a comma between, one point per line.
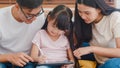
x=36, y=59
x=72, y=61
x=91, y=49
x=7, y=57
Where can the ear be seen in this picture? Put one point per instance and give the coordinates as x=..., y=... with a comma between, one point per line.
x=48, y=18
x=99, y=10
x=17, y=6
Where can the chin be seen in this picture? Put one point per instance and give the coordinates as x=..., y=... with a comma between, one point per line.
x=28, y=22
x=87, y=22
x=54, y=35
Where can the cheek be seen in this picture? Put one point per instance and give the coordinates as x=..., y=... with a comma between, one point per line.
x=49, y=28
x=21, y=16
x=93, y=16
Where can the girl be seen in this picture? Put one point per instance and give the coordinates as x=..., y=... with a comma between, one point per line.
x=51, y=43
x=99, y=24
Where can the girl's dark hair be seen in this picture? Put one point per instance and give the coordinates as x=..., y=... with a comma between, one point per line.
x=30, y=4
x=62, y=16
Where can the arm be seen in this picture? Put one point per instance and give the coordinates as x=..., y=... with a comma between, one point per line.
x=70, y=55
x=19, y=59
x=107, y=52
x=35, y=54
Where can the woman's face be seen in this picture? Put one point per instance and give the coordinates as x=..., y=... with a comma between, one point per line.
x=52, y=29
x=88, y=14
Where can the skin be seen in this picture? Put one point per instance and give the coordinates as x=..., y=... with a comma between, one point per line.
x=54, y=33
x=89, y=14
x=20, y=59
x=20, y=17
x=52, y=30
x=95, y=16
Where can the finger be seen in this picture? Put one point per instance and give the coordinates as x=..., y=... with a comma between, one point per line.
x=28, y=58
x=76, y=54
x=23, y=58
x=22, y=62
x=63, y=66
x=19, y=64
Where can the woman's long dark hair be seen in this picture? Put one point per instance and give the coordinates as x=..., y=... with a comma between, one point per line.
x=83, y=31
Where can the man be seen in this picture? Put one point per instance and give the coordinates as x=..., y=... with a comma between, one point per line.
x=18, y=25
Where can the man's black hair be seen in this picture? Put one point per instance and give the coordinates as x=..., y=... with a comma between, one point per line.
x=30, y=4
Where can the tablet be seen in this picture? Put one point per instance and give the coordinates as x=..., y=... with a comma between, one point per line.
x=56, y=63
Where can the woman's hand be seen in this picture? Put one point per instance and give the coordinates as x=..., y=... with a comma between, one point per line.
x=42, y=59
x=82, y=51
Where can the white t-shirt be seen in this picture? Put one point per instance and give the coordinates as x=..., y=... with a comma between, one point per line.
x=105, y=32
x=16, y=36
x=53, y=50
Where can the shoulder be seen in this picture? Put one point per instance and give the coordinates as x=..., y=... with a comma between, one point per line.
x=5, y=12
x=114, y=17
x=42, y=31
x=41, y=17
x=64, y=37
x=5, y=9
x=115, y=14
x=40, y=20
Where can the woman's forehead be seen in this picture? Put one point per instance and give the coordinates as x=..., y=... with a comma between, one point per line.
x=83, y=7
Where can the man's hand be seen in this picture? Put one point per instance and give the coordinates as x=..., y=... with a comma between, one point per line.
x=19, y=59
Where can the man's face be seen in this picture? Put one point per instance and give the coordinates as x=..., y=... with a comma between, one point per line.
x=29, y=15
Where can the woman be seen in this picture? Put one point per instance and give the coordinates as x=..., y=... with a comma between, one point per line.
x=98, y=24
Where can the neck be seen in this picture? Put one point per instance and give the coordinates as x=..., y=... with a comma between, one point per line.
x=100, y=16
x=15, y=14
x=54, y=38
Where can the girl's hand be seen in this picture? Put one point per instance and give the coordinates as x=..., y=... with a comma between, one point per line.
x=82, y=51
x=42, y=59
x=68, y=66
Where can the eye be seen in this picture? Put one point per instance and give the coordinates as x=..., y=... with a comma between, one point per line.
x=87, y=13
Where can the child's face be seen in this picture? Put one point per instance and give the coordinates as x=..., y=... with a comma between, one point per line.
x=52, y=29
